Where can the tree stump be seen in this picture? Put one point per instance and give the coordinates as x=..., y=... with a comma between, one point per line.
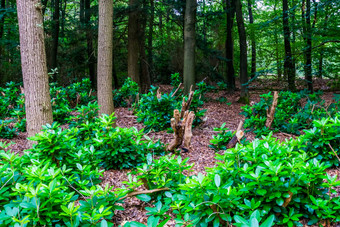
x=181, y=123
x=271, y=112
x=237, y=137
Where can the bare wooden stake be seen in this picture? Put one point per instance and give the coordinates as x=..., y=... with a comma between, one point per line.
x=237, y=137
x=270, y=114
x=176, y=90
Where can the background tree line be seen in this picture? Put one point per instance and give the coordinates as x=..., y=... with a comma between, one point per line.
x=281, y=38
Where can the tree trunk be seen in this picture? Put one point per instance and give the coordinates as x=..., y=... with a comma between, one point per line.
x=55, y=36
x=2, y=23
x=150, y=37
x=105, y=39
x=253, y=42
x=289, y=64
x=133, y=41
x=229, y=44
x=308, y=65
x=145, y=73
x=63, y=12
x=244, y=97
x=34, y=68
x=278, y=61
x=89, y=41
x=189, y=45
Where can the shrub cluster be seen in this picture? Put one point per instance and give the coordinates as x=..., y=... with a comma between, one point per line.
x=294, y=112
x=156, y=111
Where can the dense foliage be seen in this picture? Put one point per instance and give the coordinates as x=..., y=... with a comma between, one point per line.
x=294, y=112
x=155, y=110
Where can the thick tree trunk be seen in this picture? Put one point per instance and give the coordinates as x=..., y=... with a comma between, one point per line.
x=229, y=44
x=189, y=45
x=244, y=97
x=34, y=68
x=253, y=42
x=89, y=41
x=289, y=64
x=105, y=39
x=55, y=35
x=133, y=41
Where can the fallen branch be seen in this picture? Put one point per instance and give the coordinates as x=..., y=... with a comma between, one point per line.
x=144, y=192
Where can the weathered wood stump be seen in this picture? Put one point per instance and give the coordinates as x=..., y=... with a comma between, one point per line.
x=181, y=123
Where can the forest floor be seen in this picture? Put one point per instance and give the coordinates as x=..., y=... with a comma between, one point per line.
x=201, y=154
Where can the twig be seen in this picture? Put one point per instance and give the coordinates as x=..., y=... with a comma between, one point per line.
x=7, y=181
x=176, y=90
x=333, y=151
x=144, y=192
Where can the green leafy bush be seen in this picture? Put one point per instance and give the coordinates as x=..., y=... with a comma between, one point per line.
x=220, y=141
x=156, y=112
x=127, y=94
x=323, y=140
x=5, y=130
x=125, y=147
x=294, y=112
x=80, y=93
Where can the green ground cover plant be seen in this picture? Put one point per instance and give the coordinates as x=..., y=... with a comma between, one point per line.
x=294, y=112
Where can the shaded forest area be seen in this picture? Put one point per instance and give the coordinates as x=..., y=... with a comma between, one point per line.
x=169, y=113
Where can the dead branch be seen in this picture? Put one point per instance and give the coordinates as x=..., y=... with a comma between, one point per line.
x=176, y=90
x=270, y=114
x=144, y=192
x=333, y=151
x=187, y=131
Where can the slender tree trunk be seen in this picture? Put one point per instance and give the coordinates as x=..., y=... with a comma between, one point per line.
x=2, y=23
x=145, y=73
x=289, y=64
x=34, y=69
x=55, y=35
x=229, y=44
x=133, y=41
x=253, y=42
x=89, y=41
x=150, y=37
x=278, y=61
x=293, y=26
x=244, y=97
x=62, y=23
x=105, y=48
x=189, y=45
x=322, y=49
x=308, y=65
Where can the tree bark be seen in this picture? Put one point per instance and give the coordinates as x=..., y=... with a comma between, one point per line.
x=189, y=45
x=62, y=23
x=144, y=65
x=308, y=65
x=55, y=35
x=289, y=64
x=105, y=46
x=253, y=42
x=89, y=41
x=133, y=41
x=2, y=23
x=34, y=68
x=244, y=97
x=150, y=37
x=229, y=44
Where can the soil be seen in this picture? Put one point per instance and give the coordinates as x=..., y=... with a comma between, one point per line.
x=201, y=154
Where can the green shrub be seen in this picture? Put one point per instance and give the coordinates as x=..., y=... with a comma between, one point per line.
x=60, y=104
x=80, y=93
x=38, y=192
x=323, y=140
x=125, y=147
x=291, y=115
x=6, y=131
x=156, y=113
x=127, y=94
x=221, y=140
